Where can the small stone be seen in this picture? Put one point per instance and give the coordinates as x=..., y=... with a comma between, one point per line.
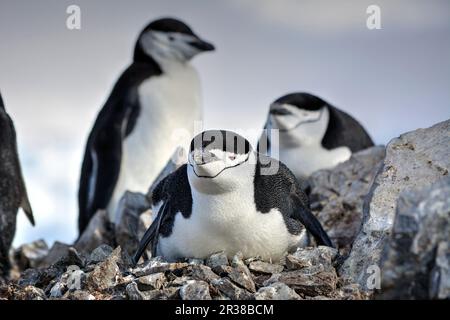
x=277, y=291
x=152, y=281
x=307, y=257
x=58, y=290
x=33, y=293
x=230, y=290
x=240, y=274
x=31, y=255
x=202, y=272
x=265, y=267
x=79, y=295
x=106, y=273
x=133, y=292
x=155, y=265
x=57, y=251
x=100, y=254
x=217, y=259
x=194, y=261
x=312, y=281
x=195, y=290
x=222, y=271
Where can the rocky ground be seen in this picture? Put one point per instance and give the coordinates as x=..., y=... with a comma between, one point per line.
x=386, y=209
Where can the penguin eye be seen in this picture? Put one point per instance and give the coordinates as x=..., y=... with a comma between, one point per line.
x=232, y=157
x=171, y=38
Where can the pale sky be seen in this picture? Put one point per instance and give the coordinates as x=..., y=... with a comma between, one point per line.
x=54, y=80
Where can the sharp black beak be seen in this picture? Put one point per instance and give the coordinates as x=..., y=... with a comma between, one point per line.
x=202, y=45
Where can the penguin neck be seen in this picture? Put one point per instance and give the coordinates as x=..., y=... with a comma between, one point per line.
x=226, y=190
x=166, y=63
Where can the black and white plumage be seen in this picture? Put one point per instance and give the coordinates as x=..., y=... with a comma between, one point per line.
x=229, y=198
x=151, y=111
x=13, y=193
x=313, y=134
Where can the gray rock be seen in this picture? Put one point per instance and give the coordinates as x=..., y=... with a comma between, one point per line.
x=74, y=278
x=32, y=293
x=307, y=257
x=195, y=290
x=156, y=265
x=105, y=274
x=277, y=291
x=217, y=259
x=58, y=290
x=265, y=267
x=337, y=195
x=230, y=290
x=131, y=206
x=57, y=251
x=310, y=281
x=152, y=281
x=99, y=231
x=240, y=274
x=31, y=255
x=195, y=261
x=100, y=254
x=414, y=160
x=133, y=292
x=79, y=295
x=202, y=272
x=416, y=260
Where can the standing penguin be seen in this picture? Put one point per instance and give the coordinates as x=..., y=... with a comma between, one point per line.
x=135, y=133
x=313, y=134
x=229, y=198
x=13, y=193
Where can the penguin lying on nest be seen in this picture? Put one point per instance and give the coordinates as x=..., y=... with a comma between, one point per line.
x=313, y=134
x=228, y=197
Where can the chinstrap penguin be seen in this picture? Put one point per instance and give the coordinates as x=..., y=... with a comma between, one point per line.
x=313, y=134
x=13, y=193
x=135, y=133
x=228, y=197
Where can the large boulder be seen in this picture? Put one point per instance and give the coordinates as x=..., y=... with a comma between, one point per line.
x=337, y=195
x=413, y=160
x=416, y=261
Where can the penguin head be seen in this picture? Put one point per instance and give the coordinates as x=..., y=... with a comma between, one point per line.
x=300, y=114
x=219, y=161
x=169, y=39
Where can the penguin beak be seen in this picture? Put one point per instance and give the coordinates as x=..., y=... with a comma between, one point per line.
x=203, y=157
x=202, y=45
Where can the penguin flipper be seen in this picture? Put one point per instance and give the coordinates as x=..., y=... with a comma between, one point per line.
x=310, y=222
x=150, y=236
x=99, y=173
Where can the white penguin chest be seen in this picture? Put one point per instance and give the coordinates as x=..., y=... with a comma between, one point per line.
x=230, y=223
x=170, y=104
x=305, y=160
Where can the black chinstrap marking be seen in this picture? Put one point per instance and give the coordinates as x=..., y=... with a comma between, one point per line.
x=212, y=177
x=303, y=122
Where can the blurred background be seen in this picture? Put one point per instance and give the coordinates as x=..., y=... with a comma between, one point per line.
x=55, y=80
